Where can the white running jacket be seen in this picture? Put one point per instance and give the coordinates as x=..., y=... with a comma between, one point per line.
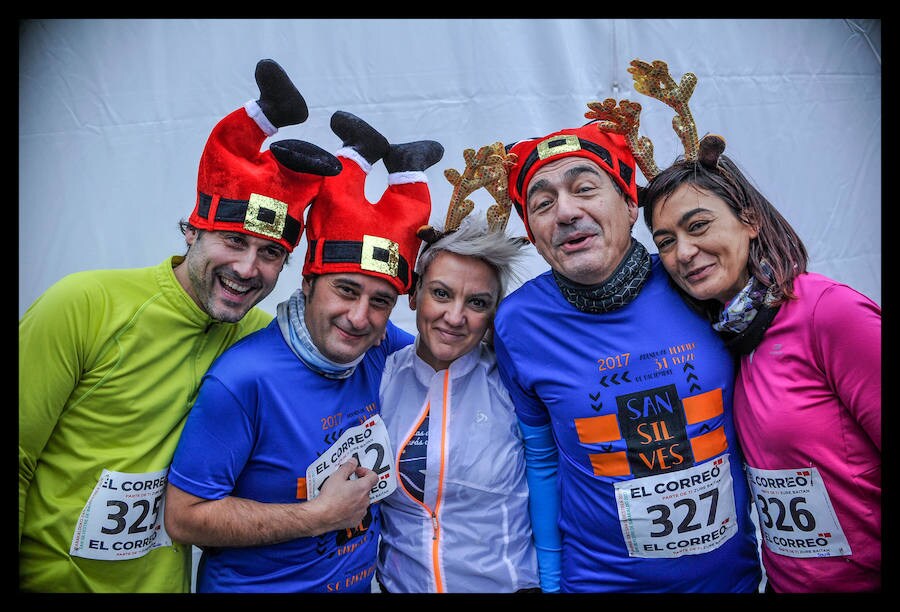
x=473, y=532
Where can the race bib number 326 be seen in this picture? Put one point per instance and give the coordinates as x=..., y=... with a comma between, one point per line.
x=796, y=516
x=123, y=518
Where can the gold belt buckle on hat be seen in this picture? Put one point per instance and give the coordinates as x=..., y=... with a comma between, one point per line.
x=388, y=262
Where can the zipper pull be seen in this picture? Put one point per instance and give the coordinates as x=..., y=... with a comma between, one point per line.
x=434, y=525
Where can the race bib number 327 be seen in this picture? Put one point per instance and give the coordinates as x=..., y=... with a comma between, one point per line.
x=688, y=512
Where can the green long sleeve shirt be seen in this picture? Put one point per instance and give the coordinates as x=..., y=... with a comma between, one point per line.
x=110, y=362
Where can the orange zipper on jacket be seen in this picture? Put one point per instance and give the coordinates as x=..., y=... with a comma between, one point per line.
x=435, y=523
x=435, y=546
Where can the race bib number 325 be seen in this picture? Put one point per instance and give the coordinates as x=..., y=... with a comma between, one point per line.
x=123, y=518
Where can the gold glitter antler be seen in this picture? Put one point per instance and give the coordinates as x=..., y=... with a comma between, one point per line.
x=488, y=169
x=655, y=81
x=497, y=185
x=625, y=120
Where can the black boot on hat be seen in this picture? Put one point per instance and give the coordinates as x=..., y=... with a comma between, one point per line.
x=282, y=104
x=359, y=136
x=413, y=156
x=302, y=156
x=279, y=99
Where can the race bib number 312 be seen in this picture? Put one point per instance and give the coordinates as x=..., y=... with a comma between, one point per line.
x=123, y=518
x=371, y=446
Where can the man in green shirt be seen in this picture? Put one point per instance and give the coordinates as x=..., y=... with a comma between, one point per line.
x=110, y=360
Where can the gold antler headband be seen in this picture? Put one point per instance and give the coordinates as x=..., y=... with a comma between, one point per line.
x=655, y=81
x=488, y=168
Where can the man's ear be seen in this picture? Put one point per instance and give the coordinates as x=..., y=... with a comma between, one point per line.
x=190, y=235
x=412, y=299
x=307, y=286
x=633, y=211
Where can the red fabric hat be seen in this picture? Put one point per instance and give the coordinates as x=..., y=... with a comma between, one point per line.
x=347, y=233
x=241, y=189
x=610, y=151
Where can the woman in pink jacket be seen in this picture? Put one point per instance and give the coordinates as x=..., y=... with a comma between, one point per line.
x=808, y=395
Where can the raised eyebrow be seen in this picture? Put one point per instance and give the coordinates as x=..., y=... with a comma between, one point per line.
x=536, y=186
x=569, y=175
x=572, y=173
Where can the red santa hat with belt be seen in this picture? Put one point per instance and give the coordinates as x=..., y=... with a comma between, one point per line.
x=346, y=232
x=261, y=193
x=608, y=150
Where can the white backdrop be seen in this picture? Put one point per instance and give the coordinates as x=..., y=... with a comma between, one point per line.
x=113, y=116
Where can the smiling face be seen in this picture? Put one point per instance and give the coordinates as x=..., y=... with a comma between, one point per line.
x=227, y=273
x=347, y=313
x=455, y=304
x=702, y=243
x=580, y=222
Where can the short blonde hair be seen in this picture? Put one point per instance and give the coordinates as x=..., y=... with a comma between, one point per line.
x=473, y=238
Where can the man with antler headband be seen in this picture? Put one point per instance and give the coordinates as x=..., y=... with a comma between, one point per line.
x=624, y=394
x=284, y=450
x=458, y=521
x=110, y=360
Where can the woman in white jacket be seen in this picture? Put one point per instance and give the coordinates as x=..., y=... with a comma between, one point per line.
x=458, y=521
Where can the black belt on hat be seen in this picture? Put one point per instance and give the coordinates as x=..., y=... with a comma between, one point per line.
x=351, y=251
x=600, y=151
x=235, y=211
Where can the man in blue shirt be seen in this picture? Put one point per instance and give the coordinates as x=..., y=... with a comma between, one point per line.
x=284, y=448
x=624, y=395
